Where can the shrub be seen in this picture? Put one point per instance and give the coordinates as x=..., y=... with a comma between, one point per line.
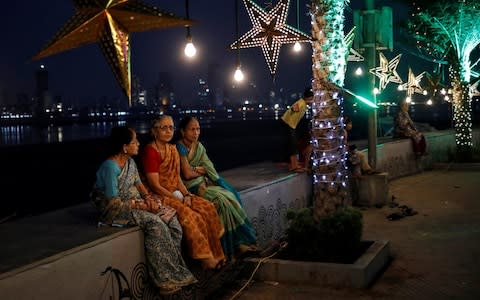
x=335, y=238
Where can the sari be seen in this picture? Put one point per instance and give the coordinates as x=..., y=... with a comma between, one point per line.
x=200, y=223
x=405, y=128
x=238, y=229
x=114, y=190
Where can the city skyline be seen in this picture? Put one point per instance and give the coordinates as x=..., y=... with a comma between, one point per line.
x=82, y=73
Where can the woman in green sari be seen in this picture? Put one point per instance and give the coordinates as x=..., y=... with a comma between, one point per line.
x=201, y=178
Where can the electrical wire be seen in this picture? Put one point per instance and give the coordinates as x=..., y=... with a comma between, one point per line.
x=283, y=245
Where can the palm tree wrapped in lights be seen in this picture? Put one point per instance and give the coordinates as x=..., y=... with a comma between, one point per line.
x=449, y=31
x=329, y=64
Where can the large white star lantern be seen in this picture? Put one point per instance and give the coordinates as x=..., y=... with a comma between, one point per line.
x=269, y=31
x=387, y=72
x=413, y=83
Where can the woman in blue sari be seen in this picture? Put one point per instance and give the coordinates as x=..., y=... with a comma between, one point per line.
x=120, y=197
x=201, y=178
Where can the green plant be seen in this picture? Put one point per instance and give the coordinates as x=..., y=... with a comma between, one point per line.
x=335, y=238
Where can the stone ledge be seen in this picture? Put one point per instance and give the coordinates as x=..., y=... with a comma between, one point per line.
x=357, y=275
x=371, y=190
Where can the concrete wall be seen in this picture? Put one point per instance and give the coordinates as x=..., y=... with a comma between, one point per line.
x=76, y=273
x=397, y=157
x=266, y=205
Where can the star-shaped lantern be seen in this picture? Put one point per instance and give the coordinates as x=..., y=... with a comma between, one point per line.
x=269, y=31
x=353, y=54
x=109, y=22
x=474, y=89
x=387, y=72
x=413, y=83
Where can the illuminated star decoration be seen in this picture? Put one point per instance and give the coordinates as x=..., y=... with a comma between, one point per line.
x=474, y=90
x=269, y=31
x=353, y=54
x=387, y=72
x=433, y=83
x=413, y=83
x=109, y=22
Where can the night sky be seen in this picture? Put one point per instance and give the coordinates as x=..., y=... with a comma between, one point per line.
x=82, y=74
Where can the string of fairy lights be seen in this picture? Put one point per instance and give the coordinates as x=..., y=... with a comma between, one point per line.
x=329, y=59
x=449, y=32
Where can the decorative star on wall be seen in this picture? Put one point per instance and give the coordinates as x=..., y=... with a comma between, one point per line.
x=413, y=83
x=387, y=72
x=109, y=22
x=269, y=31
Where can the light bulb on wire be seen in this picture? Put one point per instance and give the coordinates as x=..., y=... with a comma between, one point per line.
x=190, y=49
x=297, y=47
x=238, y=76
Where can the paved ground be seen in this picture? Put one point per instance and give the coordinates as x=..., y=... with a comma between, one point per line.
x=435, y=254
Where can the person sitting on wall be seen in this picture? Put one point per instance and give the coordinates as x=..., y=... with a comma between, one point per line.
x=201, y=178
x=405, y=128
x=121, y=198
x=356, y=159
x=202, y=227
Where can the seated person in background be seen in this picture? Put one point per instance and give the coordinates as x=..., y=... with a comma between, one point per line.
x=357, y=159
x=200, y=222
x=201, y=178
x=405, y=128
x=120, y=197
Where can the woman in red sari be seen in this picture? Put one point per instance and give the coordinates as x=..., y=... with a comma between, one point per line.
x=201, y=225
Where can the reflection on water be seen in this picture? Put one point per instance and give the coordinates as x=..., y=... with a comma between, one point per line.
x=31, y=134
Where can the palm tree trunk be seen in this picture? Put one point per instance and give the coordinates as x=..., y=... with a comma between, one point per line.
x=462, y=119
x=329, y=151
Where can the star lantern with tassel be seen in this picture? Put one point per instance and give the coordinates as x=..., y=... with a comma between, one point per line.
x=269, y=32
x=109, y=23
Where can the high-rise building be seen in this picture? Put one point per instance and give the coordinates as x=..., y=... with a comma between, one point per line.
x=203, y=94
x=139, y=94
x=163, y=94
x=215, y=98
x=42, y=94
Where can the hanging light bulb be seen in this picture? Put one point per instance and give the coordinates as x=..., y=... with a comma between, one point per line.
x=238, y=76
x=297, y=47
x=190, y=49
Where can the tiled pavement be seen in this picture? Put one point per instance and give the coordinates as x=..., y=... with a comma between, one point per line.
x=435, y=253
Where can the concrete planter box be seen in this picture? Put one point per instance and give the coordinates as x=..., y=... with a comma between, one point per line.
x=357, y=275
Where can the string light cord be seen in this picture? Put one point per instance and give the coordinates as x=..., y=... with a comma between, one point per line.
x=283, y=245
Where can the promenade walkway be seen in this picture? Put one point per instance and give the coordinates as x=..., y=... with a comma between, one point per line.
x=435, y=254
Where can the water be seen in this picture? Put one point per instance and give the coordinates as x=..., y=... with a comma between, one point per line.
x=32, y=134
